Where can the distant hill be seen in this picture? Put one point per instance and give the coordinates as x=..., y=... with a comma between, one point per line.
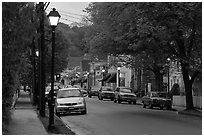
x=74, y=37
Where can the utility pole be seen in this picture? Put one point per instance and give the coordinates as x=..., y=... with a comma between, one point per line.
x=42, y=53
x=34, y=89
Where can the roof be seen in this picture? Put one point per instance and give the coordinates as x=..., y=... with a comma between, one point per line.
x=112, y=78
x=67, y=89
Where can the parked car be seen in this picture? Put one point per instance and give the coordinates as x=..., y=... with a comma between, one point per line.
x=93, y=91
x=106, y=92
x=124, y=94
x=157, y=99
x=84, y=92
x=70, y=100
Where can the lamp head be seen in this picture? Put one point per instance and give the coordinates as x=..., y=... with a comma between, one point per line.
x=54, y=17
x=118, y=68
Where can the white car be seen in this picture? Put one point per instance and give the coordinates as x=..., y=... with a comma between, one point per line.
x=70, y=100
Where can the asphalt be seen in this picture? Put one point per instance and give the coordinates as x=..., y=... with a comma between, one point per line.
x=181, y=110
x=25, y=120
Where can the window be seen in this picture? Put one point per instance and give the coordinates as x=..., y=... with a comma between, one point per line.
x=68, y=93
x=125, y=90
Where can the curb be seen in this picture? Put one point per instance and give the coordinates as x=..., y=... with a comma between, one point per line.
x=181, y=112
x=67, y=126
x=190, y=114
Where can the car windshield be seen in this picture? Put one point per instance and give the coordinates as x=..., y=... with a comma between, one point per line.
x=107, y=88
x=158, y=95
x=162, y=95
x=94, y=88
x=155, y=95
x=125, y=90
x=68, y=93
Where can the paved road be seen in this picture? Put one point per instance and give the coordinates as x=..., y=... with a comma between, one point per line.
x=108, y=118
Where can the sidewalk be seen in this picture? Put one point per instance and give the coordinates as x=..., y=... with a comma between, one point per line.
x=25, y=120
x=180, y=110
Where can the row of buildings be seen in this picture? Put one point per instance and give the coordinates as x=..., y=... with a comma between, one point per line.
x=111, y=72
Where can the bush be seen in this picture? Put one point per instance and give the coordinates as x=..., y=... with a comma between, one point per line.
x=175, y=90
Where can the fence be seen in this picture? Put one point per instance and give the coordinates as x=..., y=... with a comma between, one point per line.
x=181, y=101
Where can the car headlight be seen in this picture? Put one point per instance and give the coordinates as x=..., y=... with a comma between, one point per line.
x=79, y=103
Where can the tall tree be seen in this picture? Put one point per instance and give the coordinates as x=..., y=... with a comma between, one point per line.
x=181, y=33
x=17, y=34
x=123, y=31
x=157, y=30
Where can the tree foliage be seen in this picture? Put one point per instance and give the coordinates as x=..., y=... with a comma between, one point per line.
x=17, y=33
x=153, y=32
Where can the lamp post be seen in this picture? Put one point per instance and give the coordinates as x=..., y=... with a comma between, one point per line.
x=54, y=17
x=103, y=71
x=168, y=59
x=87, y=81
x=118, y=76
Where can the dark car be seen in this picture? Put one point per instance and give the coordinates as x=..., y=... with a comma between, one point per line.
x=157, y=99
x=106, y=92
x=124, y=94
x=84, y=92
x=93, y=91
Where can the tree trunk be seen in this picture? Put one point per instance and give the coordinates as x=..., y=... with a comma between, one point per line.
x=139, y=83
x=159, y=80
x=188, y=86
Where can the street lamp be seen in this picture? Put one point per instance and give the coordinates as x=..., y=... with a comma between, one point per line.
x=87, y=81
x=54, y=17
x=37, y=53
x=168, y=59
x=118, y=76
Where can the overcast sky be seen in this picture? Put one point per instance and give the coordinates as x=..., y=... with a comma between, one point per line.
x=70, y=11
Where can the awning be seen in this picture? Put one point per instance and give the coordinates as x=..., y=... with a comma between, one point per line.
x=106, y=77
x=78, y=80
x=83, y=80
x=112, y=78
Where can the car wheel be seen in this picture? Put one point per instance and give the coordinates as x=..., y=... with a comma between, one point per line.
x=169, y=108
x=112, y=99
x=84, y=112
x=129, y=102
x=57, y=113
x=150, y=105
x=144, y=106
x=161, y=107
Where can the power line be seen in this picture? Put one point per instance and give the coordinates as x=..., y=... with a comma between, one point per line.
x=68, y=20
x=72, y=21
x=46, y=5
x=70, y=16
x=71, y=13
